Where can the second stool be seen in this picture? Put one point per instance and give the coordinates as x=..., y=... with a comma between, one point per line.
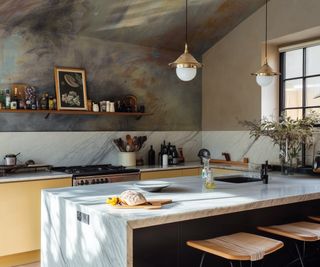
x=298, y=231
x=237, y=247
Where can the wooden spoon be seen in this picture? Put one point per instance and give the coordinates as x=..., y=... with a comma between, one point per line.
x=129, y=146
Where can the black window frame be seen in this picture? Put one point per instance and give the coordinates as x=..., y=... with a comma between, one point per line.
x=304, y=77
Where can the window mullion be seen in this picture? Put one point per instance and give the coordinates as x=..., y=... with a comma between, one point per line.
x=304, y=82
x=282, y=83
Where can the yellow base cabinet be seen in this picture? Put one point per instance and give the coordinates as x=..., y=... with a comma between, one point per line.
x=20, y=258
x=169, y=173
x=20, y=218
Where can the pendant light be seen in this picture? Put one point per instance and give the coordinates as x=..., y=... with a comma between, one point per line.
x=186, y=65
x=265, y=75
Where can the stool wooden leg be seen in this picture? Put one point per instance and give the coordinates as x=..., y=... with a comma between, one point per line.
x=202, y=258
x=231, y=264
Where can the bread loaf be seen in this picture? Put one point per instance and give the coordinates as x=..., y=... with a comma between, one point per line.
x=132, y=198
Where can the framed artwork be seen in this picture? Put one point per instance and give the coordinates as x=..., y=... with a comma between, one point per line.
x=71, y=90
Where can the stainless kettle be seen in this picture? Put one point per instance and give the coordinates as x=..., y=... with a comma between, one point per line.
x=204, y=153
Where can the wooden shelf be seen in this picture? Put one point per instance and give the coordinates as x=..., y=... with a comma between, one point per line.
x=76, y=112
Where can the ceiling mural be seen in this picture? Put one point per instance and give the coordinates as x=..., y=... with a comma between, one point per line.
x=152, y=23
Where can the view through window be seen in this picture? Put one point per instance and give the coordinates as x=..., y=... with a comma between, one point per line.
x=300, y=81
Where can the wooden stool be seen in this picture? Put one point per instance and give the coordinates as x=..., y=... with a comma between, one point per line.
x=239, y=247
x=300, y=231
x=315, y=218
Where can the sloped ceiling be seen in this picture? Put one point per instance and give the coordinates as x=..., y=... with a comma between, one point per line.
x=153, y=23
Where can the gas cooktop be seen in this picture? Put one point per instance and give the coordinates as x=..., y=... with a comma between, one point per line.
x=94, y=169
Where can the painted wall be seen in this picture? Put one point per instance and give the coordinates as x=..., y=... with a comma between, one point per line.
x=230, y=93
x=113, y=70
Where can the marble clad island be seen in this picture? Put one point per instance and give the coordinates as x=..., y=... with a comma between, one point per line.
x=79, y=229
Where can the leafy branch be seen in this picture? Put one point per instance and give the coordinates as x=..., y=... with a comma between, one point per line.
x=292, y=132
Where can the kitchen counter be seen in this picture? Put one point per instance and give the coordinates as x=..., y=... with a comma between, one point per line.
x=33, y=176
x=107, y=227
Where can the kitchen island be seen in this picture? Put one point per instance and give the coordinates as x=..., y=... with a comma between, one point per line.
x=79, y=229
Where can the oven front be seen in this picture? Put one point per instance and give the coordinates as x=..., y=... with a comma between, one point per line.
x=105, y=178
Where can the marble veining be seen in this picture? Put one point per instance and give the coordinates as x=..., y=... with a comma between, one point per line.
x=65, y=240
x=87, y=148
x=240, y=145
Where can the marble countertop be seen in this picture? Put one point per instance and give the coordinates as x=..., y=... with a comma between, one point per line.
x=32, y=176
x=190, y=200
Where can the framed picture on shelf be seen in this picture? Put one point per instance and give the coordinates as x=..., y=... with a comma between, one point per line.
x=71, y=88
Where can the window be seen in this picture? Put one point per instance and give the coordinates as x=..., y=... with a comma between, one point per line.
x=300, y=81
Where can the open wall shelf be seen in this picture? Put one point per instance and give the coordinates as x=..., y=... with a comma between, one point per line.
x=138, y=115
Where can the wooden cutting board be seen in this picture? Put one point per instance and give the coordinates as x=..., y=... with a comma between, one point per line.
x=152, y=204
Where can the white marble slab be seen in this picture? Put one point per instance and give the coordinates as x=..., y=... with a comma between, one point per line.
x=64, y=239
x=240, y=145
x=87, y=148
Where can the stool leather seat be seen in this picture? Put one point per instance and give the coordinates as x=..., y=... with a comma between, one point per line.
x=240, y=246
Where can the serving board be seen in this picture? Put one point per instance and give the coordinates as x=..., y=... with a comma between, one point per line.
x=152, y=204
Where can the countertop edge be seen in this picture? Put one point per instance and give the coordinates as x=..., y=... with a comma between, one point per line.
x=172, y=218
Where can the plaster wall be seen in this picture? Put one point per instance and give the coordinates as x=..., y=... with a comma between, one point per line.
x=113, y=70
x=229, y=92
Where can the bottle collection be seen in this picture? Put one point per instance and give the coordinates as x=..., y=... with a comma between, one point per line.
x=168, y=155
x=26, y=98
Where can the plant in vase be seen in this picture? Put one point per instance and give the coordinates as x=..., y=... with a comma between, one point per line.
x=287, y=133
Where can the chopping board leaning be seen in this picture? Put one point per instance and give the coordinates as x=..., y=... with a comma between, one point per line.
x=151, y=204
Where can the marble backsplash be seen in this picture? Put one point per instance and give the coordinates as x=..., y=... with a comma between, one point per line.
x=239, y=145
x=85, y=148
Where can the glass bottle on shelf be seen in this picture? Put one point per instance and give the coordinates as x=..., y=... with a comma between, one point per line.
x=8, y=99
x=14, y=101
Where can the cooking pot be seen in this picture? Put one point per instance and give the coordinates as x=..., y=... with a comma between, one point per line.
x=10, y=159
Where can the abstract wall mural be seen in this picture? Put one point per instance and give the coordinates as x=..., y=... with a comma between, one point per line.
x=125, y=48
x=113, y=71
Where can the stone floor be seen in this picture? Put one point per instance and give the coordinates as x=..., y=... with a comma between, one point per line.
x=35, y=264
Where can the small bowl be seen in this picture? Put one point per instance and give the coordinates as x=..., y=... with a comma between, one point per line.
x=152, y=186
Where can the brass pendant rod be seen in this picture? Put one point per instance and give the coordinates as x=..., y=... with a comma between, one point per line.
x=266, y=35
x=186, y=21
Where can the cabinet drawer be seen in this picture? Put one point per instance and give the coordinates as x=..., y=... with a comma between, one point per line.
x=190, y=172
x=160, y=174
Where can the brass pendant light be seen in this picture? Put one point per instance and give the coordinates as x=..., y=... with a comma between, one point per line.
x=186, y=65
x=265, y=75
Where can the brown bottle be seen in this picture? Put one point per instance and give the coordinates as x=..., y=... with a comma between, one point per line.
x=181, y=158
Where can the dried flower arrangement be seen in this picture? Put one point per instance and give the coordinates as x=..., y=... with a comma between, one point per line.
x=289, y=134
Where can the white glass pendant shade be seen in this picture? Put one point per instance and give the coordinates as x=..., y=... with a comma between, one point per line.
x=186, y=74
x=186, y=66
x=264, y=80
